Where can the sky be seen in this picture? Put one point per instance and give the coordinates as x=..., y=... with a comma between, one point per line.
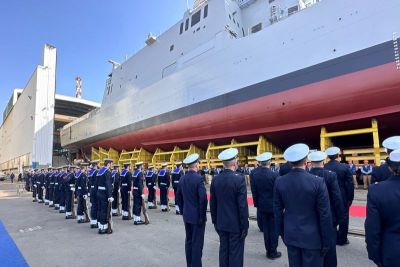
x=86, y=34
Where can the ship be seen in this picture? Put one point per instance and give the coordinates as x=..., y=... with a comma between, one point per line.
x=240, y=68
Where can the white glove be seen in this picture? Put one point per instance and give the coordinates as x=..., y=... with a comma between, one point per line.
x=143, y=196
x=84, y=196
x=155, y=187
x=110, y=199
x=42, y=187
x=73, y=189
x=89, y=194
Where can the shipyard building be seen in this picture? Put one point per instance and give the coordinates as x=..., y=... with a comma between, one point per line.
x=29, y=132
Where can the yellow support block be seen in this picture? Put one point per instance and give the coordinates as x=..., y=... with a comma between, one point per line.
x=95, y=154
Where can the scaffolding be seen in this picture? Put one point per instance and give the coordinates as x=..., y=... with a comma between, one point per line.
x=360, y=154
x=137, y=155
x=177, y=154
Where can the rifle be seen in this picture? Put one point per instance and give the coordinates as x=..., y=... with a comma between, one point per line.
x=118, y=205
x=109, y=218
x=85, y=211
x=146, y=217
x=73, y=204
x=168, y=208
x=129, y=206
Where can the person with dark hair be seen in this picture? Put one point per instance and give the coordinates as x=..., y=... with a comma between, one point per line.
x=126, y=188
x=104, y=197
x=302, y=211
x=262, y=187
x=382, y=224
x=176, y=175
x=92, y=186
x=285, y=168
x=137, y=182
x=381, y=173
x=346, y=185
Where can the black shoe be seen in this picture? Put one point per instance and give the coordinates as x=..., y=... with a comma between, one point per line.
x=102, y=231
x=274, y=256
x=34, y=200
x=80, y=221
x=57, y=208
x=164, y=210
x=125, y=218
x=46, y=204
x=93, y=226
x=51, y=206
x=70, y=217
x=138, y=223
x=41, y=201
x=61, y=211
x=177, y=212
x=115, y=214
x=151, y=208
x=344, y=244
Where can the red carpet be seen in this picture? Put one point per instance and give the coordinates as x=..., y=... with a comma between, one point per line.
x=355, y=211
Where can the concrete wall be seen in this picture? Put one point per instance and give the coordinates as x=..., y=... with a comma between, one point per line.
x=27, y=133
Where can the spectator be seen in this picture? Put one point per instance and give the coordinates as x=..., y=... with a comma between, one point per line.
x=366, y=171
x=353, y=170
x=12, y=176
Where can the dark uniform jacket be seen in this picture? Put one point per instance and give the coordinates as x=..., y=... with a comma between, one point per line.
x=92, y=180
x=382, y=226
x=285, y=168
x=81, y=183
x=262, y=188
x=40, y=180
x=176, y=176
x=138, y=183
x=302, y=210
x=163, y=178
x=380, y=173
x=53, y=180
x=228, y=204
x=104, y=179
x=126, y=180
x=116, y=180
x=47, y=179
x=345, y=180
x=335, y=196
x=70, y=181
x=151, y=179
x=192, y=198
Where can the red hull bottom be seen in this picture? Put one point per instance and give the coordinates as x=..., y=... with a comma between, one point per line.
x=363, y=94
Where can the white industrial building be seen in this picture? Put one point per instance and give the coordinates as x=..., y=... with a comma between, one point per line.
x=29, y=132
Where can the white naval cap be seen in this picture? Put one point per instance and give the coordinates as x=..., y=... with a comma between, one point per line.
x=395, y=156
x=164, y=165
x=392, y=143
x=316, y=156
x=139, y=163
x=192, y=158
x=264, y=157
x=228, y=154
x=331, y=151
x=178, y=163
x=296, y=152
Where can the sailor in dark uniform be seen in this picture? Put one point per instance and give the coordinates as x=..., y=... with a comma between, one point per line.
x=47, y=185
x=263, y=182
x=52, y=187
x=151, y=182
x=335, y=198
x=116, y=182
x=126, y=185
x=40, y=185
x=61, y=188
x=302, y=211
x=381, y=173
x=34, y=185
x=138, y=179
x=285, y=168
x=164, y=183
x=92, y=186
x=70, y=193
x=346, y=185
x=176, y=175
x=382, y=225
x=191, y=197
x=229, y=210
x=82, y=192
x=104, y=196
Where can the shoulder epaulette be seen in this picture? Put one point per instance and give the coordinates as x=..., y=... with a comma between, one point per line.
x=136, y=173
x=161, y=173
x=102, y=171
x=149, y=174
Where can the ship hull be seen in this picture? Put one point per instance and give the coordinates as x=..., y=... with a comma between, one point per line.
x=361, y=94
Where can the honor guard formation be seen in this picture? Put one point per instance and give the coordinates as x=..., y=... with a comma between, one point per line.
x=306, y=205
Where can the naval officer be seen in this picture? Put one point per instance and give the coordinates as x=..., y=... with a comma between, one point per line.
x=70, y=193
x=229, y=210
x=382, y=225
x=126, y=187
x=176, y=175
x=116, y=182
x=164, y=183
x=346, y=185
x=191, y=197
x=151, y=181
x=137, y=192
x=383, y=172
x=263, y=182
x=92, y=186
x=34, y=185
x=104, y=197
x=62, y=185
x=302, y=211
x=335, y=198
x=82, y=191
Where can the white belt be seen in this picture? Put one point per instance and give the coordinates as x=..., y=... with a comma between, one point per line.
x=92, y=186
x=56, y=183
x=79, y=187
x=135, y=188
x=149, y=184
x=163, y=183
x=101, y=188
x=176, y=182
x=71, y=185
x=35, y=185
x=124, y=184
x=51, y=183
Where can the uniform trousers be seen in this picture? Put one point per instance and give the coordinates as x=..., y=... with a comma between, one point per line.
x=124, y=199
x=81, y=203
x=300, y=257
x=270, y=236
x=137, y=204
x=116, y=199
x=68, y=200
x=93, y=201
x=152, y=194
x=231, y=249
x=163, y=195
x=330, y=259
x=194, y=243
x=343, y=227
x=102, y=207
x=61, y=192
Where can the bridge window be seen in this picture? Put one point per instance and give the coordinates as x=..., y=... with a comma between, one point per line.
x=205, y=11
x=196, y=18
x=256, y=28
x=187, y=25
x=181, y=29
